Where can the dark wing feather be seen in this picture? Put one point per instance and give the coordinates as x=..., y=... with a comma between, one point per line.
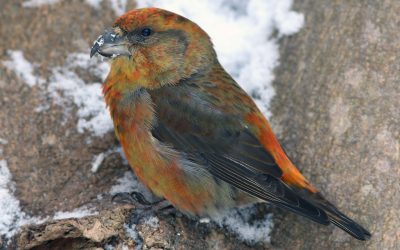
x=339, y=219
x=194, y=126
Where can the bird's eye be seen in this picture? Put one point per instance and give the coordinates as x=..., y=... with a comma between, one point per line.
x=146, y=32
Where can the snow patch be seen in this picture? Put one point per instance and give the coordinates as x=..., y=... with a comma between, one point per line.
x=76, y=213
x=3, y=141
x=242, y=34
x=42, y=107
x=118, y=6
x=131, y=232
x=205, y=220
x=109, y=247
x=22, y=68
x=126, y=184
x=12, y=217
x=247, y=228
x=94, y=3
x=98, y=159
x=287, y=22
x=38, y=3
x=129, y=183
x=66, y=85
x=92, y=112
x=152, y=221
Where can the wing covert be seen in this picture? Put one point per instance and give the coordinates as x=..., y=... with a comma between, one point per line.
x=190, y=122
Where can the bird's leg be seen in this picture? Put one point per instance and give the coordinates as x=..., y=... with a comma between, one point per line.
x=144, y=208
x=138, y=197
x=141, y=203
x=134, y=198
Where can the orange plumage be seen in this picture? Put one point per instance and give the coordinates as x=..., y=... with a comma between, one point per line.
x=189, y=131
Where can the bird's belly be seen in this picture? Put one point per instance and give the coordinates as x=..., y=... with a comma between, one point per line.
x=192, y=192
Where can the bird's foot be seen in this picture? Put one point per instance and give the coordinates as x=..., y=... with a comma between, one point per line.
x=135, y=198
x=144, y=208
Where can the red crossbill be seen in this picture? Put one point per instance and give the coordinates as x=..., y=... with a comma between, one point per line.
x=190, y=132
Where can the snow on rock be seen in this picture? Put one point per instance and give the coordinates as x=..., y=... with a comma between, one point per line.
x=76, y=213
x=131, y=232
x=66, y=85
x=241, y=32
x=287, y=22
x=205, y=220
x=12, y=218
x=248, y=229
x=118, y=6
x=22, y=68
x=98, y=159
x=125, y=184
x=38, y=3
x=152, y=221
x=11, y=215
x=94, y=3
x=128, y=184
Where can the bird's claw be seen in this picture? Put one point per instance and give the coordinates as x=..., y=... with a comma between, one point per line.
x=134, y=198
x=141, y=203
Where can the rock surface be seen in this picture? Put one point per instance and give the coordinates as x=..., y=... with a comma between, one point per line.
x=337, y=109
x=85, y=233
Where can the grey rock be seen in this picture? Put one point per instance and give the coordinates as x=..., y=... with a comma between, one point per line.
x=337, y=106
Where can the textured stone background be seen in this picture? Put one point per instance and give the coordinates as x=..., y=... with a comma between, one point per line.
x=336, y=110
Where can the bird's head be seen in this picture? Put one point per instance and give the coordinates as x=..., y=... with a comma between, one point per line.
x=153, y=47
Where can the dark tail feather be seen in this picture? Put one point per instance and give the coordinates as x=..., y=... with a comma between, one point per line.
x=348, y=225
x=341, y=220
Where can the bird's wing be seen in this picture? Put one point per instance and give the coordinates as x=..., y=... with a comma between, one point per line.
x=210, y=131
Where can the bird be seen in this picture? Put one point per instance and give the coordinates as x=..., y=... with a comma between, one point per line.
x=190, y=133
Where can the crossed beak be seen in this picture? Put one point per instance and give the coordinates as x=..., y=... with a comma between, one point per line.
x=110, y=44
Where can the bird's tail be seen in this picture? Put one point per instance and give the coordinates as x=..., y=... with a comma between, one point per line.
x=339, y=219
